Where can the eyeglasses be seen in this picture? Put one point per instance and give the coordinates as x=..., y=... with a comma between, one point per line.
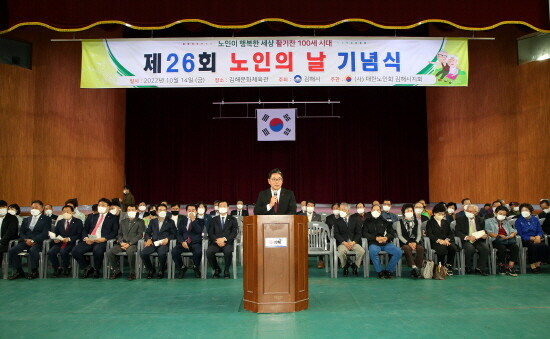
x=276, y=179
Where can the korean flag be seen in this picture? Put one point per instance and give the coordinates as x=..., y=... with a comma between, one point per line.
x=276, y=124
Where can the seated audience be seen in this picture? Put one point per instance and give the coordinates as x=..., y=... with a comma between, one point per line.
x=70, y=229
x=8, y=228
x=386, y=214
x=532, y=237
x=15, y=210
x=331, y=218
x=441, y=237
x=409, y=234
x=347, y=232
x=240, y=211
x=451, y=209
x=504, y=238
x=223, y=231
x=465, y=228
x=157, y=240
x=189, y=239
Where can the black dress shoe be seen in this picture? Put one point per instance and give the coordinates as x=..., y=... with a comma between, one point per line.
x=58, y=272
x=131, y=277
x=115, y=274
x=381, y=275
x=387, y=274
x=346, y=271
x=181, y=272
x=483, y=273
x=17, y=275
x=87, y=272
x=217, y=273
x=160, y=275
x=197, y=272
x=226, y=275
x=414, y=273
x=97, y=274
x=469, y=270
x=354, y=270
x=151, y=274
x=32, y=275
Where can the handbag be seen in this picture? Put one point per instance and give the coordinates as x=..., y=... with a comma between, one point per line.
x=440, y=272
x=427, y=269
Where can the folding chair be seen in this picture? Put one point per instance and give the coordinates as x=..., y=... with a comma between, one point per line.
x=139, y=261
x=319, y=243
x=187, y=256
x=76, y=267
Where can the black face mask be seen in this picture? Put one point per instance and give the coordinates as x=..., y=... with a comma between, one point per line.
x=175, y=212
x=153, y=213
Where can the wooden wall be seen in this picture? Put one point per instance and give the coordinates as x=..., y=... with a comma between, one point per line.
x=490, y=140
x=58, y=141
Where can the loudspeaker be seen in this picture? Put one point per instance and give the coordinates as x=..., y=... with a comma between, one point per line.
x=17, y=53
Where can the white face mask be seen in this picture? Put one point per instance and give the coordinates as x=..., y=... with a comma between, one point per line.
x=12, y=212
x=113, y=211
x=304, y=208
x=360, y=210
x=386, y=208
x=223, y=210
x=516, y=208
x=418, y=210
x=48, y=213
x=216, y=208
x=162, y=214
x=101, y=209
x=35, y=212
x=132, y=214
x=142, y=208
x=469, y=215
x=465, y=207
x=438, y=217
x=450, y=210
x=67, y=216
x=200, y=216
x=546, y=210
x=240, y=206
x=525, y=214
x=375, y=214
x=3, y=211
x=501, y=217
x=494, y=208
x=336, y=212
x=201, y=210
x=310, y=209
x=343, y=214
x=409, y=215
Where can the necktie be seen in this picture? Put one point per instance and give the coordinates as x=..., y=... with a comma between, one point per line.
x=223, y=222
x=472, y=226
x=99, y=221
x=63, y=245
x=33, y=223
x=276, y=206
x=239, y=213
x=189, y=232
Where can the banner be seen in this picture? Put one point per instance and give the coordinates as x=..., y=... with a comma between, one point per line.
x=281, y=61
x=276, y=124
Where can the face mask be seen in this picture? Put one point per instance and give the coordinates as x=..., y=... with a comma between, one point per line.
x=240, y=206
x=216, y=208
x=191, y=214
x=202, y=210
x=304, y=208
x=438, y=217
x=223, y=210
x=409, y=215
x=417, y=210
x=343, y=214
x=494, y=208
x=450, y=210
x=310, y=209
x=360, y=210
x=469, y=215
x=113, y=211
x=375, y=214
x=162, y=214
x=547, y=210
x=153, y=213
x=516, y=208
x=175, y=212
x=102, y=209
x=123, y=192
x=12, y=212
x=525, y=214
x=132, y=214
x=501, y=217
x=336, y=212
x=3, y=211
x=465, y=207
x=142, y=208
x=48, y=213
x=35, y=212
x=67, y=216
x=386, y=208
x=200, y=216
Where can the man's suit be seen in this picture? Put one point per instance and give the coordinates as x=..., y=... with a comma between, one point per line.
x=109, y=230
x=462, y=229
x=190, y=233
x=8, y=231
x=286, y=204
x=39, y=233
x=244, y=212
x=228, y=229
x=73, y=232
x=346, y=230
x=314, y=217
x=130, y=232
x=167, y=230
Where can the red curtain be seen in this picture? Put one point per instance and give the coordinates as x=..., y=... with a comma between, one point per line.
x=68, y=14
x=376, y=150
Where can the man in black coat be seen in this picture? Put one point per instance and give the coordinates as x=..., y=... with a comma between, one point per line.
x=347, y=232
x=275, y=200
x=466, y=225
x=222, y=234
x=8, y=228
x=441, y=237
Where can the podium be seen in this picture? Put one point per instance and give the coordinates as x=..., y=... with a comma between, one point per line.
x=275, y=267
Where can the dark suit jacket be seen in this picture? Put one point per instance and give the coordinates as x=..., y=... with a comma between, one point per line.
x=230, y=229
x=435, y=232
x=40, y=231
x=315, y=216
x=213, y=212
x=378, y=227
x=331, y=220
x=8, y=231
x=349, y=232
x=195, y=233
x=74, y=232
x=145, y=214
x=131, y=230
x=287, y=203
x=168, y=230
x=462, y=227
x=244, y=212
x=109, y=229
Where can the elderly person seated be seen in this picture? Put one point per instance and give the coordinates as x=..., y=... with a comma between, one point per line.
x=504, y=238
x=532, y=237
x=466, y=229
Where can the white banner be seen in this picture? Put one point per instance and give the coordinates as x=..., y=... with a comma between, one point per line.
x=276, y=124
x=281, y=61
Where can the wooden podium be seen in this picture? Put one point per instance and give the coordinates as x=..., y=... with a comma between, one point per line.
x=275, y=268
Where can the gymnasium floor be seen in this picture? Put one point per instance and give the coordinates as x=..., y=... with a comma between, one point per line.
x=462, y=306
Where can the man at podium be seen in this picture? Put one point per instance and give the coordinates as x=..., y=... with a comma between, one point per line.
x=275, y=200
